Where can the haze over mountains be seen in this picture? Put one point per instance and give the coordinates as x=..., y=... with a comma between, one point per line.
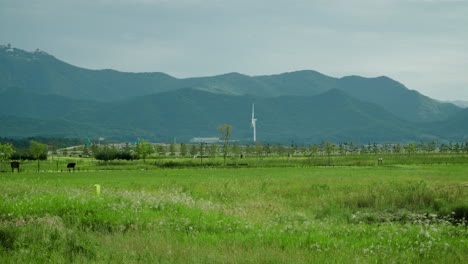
x=459, y=103
x=41, y=95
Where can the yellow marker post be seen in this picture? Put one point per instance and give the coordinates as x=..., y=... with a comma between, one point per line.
x=98, y=189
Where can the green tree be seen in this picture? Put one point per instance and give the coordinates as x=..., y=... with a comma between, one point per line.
x=293, y=148
x=422, y=147
x=396, y=148
x=172, y=149
x=329, y=149
x=202, y=148
x=431, y=147
x=236, y=149
x=341, y=149
x=225, y=135
x=183, y=150
x=85, y=152
x=411, y=148
x=313, y=150
x=386, y=148
x=280, y=149
x=126, y=148
x=352, y=148
x=375, y=148
x=465, y=147
x=53, y=150
x=456, y=148
x=94, y=148
x=144, y=149
x=213, y=150
x=38, y=151
x=160, y=150
x=303, y=149
x=362, y=149
x=267, y=149
x=249, y=150
x=274, y=149
x=6, y=150
x=193, y=150
x=444, y=148
x=258, y=149
x=369, y=148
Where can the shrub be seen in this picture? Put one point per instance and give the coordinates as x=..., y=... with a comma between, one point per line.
x=106, y=154
x=7, y=239
x=460, y=213
x=26, y=155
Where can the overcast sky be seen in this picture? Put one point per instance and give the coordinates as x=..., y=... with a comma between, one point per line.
x=421, y=43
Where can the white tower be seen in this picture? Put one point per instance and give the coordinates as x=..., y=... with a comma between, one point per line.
x=254, y=121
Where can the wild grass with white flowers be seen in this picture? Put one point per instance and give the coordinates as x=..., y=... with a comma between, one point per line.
x=394, y=214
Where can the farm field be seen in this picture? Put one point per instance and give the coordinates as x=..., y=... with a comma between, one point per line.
x=396, y=213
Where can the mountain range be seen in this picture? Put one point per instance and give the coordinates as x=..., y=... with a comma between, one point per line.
x=41, y=95
x=459, y=103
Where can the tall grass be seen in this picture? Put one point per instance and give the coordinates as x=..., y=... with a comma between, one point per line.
x=249, y=215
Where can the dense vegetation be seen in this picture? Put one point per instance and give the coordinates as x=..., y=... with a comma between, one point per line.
x=325, y=153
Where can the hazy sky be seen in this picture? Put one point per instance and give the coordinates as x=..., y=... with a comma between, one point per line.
x=421, y=43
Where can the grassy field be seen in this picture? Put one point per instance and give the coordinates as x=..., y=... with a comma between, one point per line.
x=395, y=213
x=156, y=162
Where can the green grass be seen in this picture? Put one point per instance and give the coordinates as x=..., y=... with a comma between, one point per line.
x=356, y=160
x=342, y=214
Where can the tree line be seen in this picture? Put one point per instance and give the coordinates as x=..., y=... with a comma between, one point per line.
x=143, y=149
x=36, y=151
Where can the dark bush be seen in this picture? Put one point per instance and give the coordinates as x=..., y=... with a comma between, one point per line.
x=460, y=213
x=124, y=155
x=7, y=239
x=25, y=155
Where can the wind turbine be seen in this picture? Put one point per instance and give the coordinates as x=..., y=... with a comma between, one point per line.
x=253, y=125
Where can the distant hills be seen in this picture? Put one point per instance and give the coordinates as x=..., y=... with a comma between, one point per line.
x=462, y=104
x=41, y=95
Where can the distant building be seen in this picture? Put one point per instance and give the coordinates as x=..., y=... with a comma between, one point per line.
x=209, y=140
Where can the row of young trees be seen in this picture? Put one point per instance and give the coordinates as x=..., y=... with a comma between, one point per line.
x=329, y=148
x=324, y=148
x=145, y=149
